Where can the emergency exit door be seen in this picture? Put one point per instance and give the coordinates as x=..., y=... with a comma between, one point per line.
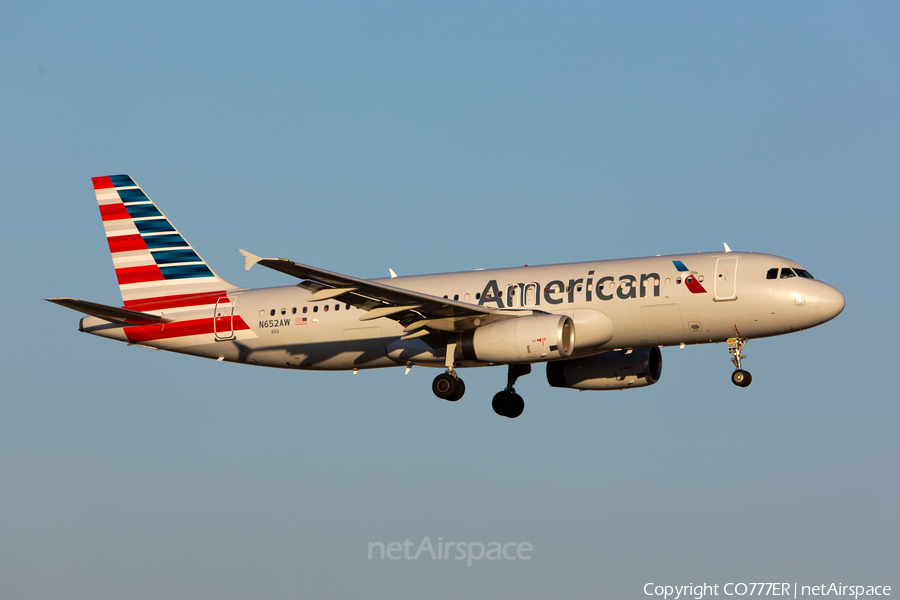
x=223, y=319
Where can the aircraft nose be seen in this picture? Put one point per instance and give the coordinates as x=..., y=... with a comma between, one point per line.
x=831, y=302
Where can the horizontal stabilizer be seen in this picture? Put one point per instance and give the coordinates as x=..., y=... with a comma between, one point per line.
x=110, y=313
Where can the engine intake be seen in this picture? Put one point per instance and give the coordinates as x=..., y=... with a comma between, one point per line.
x=614, y=370
x=520, y=340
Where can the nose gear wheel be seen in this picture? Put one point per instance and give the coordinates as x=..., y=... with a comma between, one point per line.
x=740, y=377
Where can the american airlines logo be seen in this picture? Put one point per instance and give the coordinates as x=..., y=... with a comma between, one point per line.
x=690, y=280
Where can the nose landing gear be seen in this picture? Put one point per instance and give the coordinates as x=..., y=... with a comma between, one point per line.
x=740, y=377
x=508, y=403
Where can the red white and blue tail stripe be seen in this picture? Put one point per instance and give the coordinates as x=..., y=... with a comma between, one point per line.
x=152, y=259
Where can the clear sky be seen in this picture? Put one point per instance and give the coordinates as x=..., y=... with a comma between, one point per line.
x=429, y=137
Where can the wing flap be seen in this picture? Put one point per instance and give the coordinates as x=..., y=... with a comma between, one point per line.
x=329, y=293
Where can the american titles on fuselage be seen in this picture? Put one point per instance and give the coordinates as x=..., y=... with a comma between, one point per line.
x=557, y=291
x=529, y=294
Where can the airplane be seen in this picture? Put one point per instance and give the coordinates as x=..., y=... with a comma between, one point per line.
x=597, y=325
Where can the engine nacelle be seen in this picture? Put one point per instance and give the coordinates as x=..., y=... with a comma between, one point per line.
x=520, y=340
x=614, y=370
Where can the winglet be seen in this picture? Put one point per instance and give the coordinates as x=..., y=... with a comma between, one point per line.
x=392, y=273
x=727, y=249
x=249, y=259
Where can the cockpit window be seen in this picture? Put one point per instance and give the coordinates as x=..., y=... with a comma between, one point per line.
x=772, y=273
x=804, y=273
x=787, y=274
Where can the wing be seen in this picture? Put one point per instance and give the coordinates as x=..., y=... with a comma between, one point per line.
x=419, y=313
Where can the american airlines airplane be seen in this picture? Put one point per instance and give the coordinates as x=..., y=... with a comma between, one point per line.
x=598, y=325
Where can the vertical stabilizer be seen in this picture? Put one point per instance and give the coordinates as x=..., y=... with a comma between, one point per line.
x=152, y=259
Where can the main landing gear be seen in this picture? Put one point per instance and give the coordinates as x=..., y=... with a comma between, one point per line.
x=448, y=386
x=740, y=377
x=508, y=403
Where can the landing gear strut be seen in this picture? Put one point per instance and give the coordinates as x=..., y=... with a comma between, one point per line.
x=448, y=385
x=508, y=403
x=740, y=377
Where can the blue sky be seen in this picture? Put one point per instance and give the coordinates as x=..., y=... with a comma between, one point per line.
x=427, y=137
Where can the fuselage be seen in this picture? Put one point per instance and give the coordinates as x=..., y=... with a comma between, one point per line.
x=614, y=304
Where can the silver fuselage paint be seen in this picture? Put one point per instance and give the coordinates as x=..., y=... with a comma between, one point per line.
x=643, y=302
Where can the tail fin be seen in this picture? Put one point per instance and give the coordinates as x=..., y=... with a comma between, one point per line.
x=152, y=259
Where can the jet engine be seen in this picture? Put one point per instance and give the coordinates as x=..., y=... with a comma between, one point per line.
x=521, y=340
x=614, y=370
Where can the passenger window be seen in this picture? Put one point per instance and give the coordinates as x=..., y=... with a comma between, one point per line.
x=772, y=273
x=316, y=308
x=284, y=311
x=337, y=307
x=787, y=274
x=456, y=296
x=294, y=311
x=326, y=308
x=272, y=313
x=478, y=296
x=804, y=273
x=304, y=309
x=347, y=307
